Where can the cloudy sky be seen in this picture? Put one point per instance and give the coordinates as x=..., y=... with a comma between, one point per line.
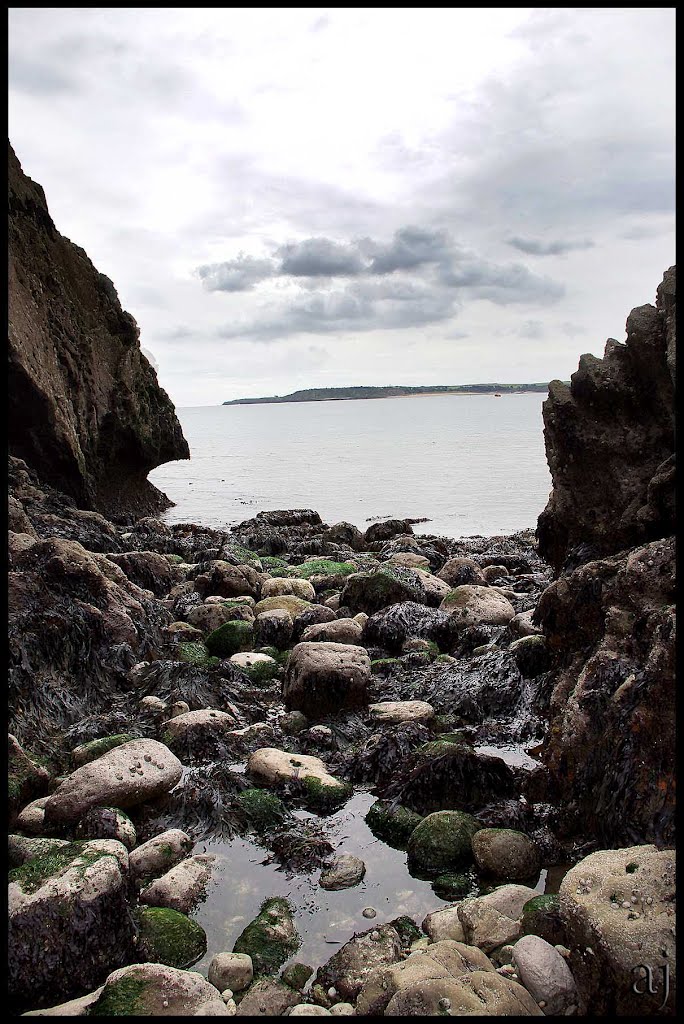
x=321, y=197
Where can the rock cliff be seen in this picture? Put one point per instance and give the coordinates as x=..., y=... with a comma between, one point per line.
x=85, y=409
x=610, y=442
x=609, y=618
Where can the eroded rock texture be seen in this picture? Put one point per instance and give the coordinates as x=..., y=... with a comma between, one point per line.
x=609, y=618
x=85, y=409
x=610, y=442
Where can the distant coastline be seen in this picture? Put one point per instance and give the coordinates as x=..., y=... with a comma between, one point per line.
x=355, y=393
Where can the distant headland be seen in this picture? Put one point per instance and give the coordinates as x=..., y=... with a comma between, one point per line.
x=349, y=394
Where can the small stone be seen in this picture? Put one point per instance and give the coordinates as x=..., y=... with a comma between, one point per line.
x=332, y=992
x=444, y=1003
x=369, y=912
x=226, y=995
x=375, y=936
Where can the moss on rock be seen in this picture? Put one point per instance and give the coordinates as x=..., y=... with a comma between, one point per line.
x=325, y=798
x=34, y=872
x=324, y=567
x=123, y=998
x=230, y=638
x=196, y=653
x=271, y=938
x=542, y=916
x=96, y=748
x=453, y=886
x=441, y=842
x=169, y=937
x=284, y=602
x=262, y=809
x=393, y=825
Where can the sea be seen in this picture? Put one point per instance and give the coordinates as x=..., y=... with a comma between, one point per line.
x=466, y=465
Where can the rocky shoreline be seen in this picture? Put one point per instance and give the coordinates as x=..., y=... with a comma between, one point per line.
x=321, y=660
x=497, y=713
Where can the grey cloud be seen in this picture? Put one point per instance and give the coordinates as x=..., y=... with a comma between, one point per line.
x=556, y=248
x=238, y=275
x=571, y=330
x=533, y=329
x=319, y=257
x=411, y=247
x=39, y=79
x=502, y=284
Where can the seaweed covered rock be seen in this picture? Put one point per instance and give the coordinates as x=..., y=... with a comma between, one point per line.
x=388, y=584
x=326, y=676
x=86, y=410
x=271, y=938
x=25, y=779
x=441, y=842
x=391, y=627
x=610, y=750
x=610, y=442
x=230, y=638
x=125, y=776
x=391, y=822
x=168, y=937
x=69, y=922
x=107, y=823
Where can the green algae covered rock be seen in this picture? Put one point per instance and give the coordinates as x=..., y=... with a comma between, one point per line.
x=324, y=567
x=389, y=584
x=284, y=602
x=155, y=990
x=393, y=825
x=196, y=653
x=262, y=809
x=453, y=886
x=271, y=938
x=442, y=842
x=168, y=937
x=230, y=638
x=542, y=916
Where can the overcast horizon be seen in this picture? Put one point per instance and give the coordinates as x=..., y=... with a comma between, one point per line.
x=309, y=197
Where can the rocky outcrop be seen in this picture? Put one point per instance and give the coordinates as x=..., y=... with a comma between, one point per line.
x=610, y=442
x=609, y=619
x=85, y=409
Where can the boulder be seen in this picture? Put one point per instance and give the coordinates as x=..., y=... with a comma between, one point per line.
x=271, y=938
x=460, y=571
x=386, y=530
x=391, y=627
x=198, y=733
x=341, y=631
x=287, y=602
x=107, y=823
x=168, y=937
x=474, y=994
x=326, y=676
x=154, y=990
x=210, y=617
x=349, y=968
x=271, y=766
x=277, y=587
x=545, y=975
x=230, y=638
x=221, y=579
x=158, y=855
x=32, y=818
x=388, y=584
x=477, y=606
x=392, y=712
x=441, y=842
x=345, y=871
x=444, y=924
x=267, y=997
x=619, y=908
x=231, y=970
x=130, y=774
x=69, y=922
x=506, y=854
x=182, y=887
x=25, y=779
x=494, y=919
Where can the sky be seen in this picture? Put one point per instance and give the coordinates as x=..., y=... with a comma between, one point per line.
x=327, y=197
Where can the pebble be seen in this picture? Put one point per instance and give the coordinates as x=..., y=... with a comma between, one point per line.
x=375, y=936
x=332, y=992
x=444, y=1003
x=369, y=912
x=227, y=994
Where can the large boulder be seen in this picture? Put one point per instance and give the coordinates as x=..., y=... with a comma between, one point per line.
x=273, y=767
x=441, y=842
x=610, y=442
x=349, y=968
x=326, y=676
x=506, y=854
x=129, y=774
x=478, y=606
x=475, y=994
x=154, y=990
x=388, y=584
x=182, y=887
x=390, y=627
x=69, y=922
x=545, y=975
x=85, y=408
x=619, y=907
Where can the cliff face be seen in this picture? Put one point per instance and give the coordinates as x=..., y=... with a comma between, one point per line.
x=609, y=618
x=610, y=443
x=85, y=409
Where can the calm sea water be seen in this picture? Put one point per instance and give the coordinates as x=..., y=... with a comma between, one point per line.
x=471, y=464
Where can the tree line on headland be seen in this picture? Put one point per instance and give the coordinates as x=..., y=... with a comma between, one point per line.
x=347, y=394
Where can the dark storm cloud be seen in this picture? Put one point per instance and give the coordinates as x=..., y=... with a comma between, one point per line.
x=532, y=247
x=319, y=257
x=238, y=275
